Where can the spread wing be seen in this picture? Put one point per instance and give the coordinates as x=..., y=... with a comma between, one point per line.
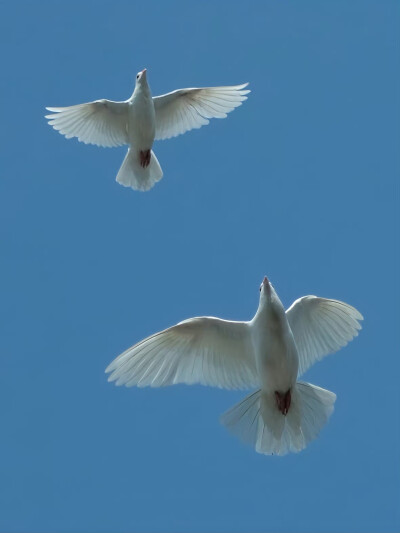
x=102, y=122
x=202, y=350
x=185, y=109
x=321, y=327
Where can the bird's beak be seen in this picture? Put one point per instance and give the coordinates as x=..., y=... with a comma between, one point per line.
x=144, y=71
x=267, y=285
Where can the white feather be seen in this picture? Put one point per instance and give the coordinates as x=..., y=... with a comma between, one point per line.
x=132, y=174
x=320, y=327
x=202, y=350
x=257, y=421
x=102, y=122
x=186, y=109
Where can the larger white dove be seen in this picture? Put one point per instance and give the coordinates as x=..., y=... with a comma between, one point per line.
x=269, y=353
x=141, y=119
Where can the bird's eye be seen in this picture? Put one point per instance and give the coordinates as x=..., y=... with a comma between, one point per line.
x=260, y=287
x=137, y=76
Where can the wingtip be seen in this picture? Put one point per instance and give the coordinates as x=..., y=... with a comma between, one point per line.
x=356, y=313
x=51, y=109
x=244, y=91
x=240, y=87
x=109, y=368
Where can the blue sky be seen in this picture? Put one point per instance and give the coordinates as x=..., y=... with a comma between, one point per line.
x=300, y=184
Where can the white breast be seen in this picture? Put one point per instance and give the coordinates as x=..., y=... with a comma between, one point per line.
x=141, y=121
x=276, y=356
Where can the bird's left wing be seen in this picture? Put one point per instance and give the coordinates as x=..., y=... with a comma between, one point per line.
x=102, y=122
x=185, y=109
x=202, y=350
x=320, y=327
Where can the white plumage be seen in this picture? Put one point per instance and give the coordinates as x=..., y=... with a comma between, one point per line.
x=141, y=119
x=269, y=352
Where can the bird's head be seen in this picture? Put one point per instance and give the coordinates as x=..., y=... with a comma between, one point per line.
x=267, y=291
x=141, y=77
x=270, y=302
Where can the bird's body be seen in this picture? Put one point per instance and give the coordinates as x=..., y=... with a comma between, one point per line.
x=267, y=353
x=141, y=119
x=274, y=347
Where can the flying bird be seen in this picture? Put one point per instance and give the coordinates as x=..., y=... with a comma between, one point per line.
x=268, y=353
x=142, y=119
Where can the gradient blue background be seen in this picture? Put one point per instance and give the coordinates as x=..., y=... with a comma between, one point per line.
x=300, y=184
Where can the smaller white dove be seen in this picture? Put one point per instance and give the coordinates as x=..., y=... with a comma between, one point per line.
x=269, y=353
x=141, y=119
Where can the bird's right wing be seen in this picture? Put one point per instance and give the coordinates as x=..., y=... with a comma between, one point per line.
x=202, y=350
x=321, y=326
x=186, y=109
x=102, y=122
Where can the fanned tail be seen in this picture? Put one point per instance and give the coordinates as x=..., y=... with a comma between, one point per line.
x=258, y=421
x=133, y=174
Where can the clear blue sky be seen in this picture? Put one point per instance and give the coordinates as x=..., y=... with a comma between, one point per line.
x=300, y=184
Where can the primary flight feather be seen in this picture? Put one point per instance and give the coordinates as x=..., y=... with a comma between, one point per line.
x=142, y=119
x=268, y=352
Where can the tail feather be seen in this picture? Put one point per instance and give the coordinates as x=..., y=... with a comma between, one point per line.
x=258, y=421
x=132, y=174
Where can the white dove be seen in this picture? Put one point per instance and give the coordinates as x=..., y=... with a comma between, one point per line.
x=269, y=353
x=141, y=119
